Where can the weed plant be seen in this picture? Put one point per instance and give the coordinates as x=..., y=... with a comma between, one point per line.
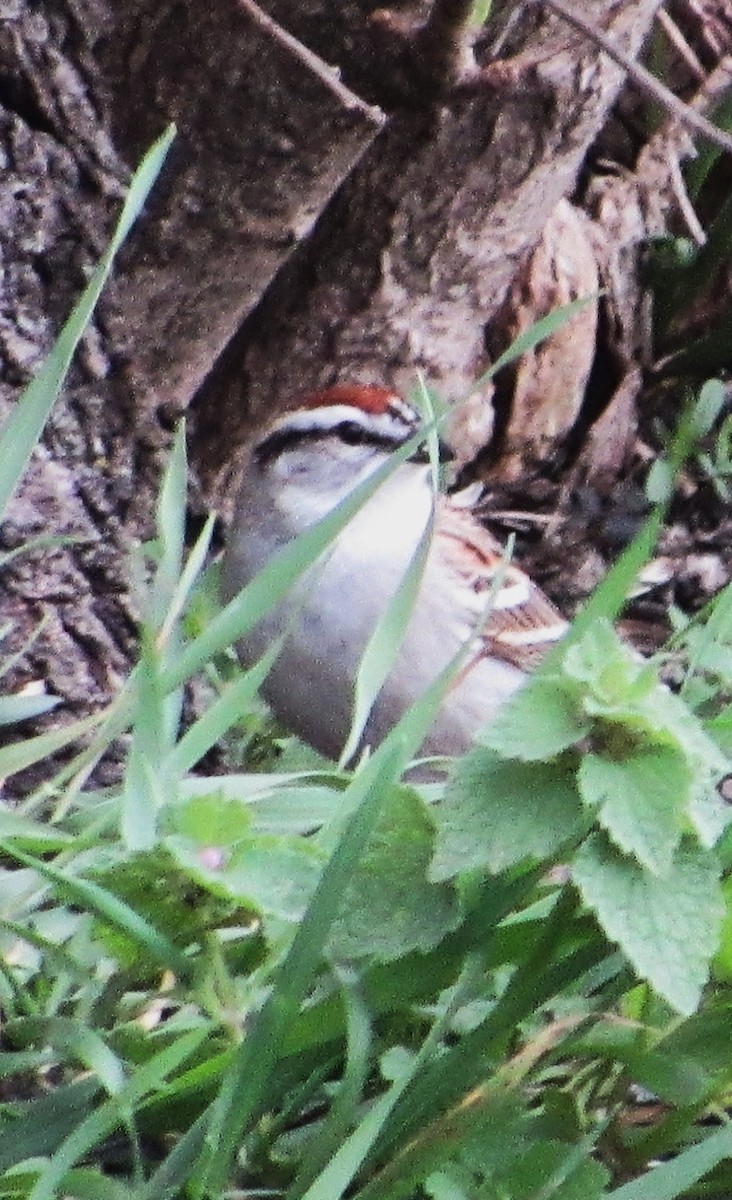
x=313, y=984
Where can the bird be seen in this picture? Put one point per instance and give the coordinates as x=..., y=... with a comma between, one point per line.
x=299, y=468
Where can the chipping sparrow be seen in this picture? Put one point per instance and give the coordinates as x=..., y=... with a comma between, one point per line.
x=299, y=469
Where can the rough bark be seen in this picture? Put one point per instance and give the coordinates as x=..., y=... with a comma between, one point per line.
x=294, y=239
x=429, y=232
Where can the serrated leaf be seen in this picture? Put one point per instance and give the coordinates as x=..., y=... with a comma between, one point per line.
x=668, y=927
x=708, y=813
x=608, y=670
x=496, y=813
x=598, y=651
x=391, y=906
x=674, y=716
x=641, y=799
x=720, y=729
x=539, y=722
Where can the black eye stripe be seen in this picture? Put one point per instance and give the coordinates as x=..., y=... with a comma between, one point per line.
x=353, y=434
x=277, y=443
x=350, y=432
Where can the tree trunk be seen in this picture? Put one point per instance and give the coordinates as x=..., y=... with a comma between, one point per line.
x=310, y=225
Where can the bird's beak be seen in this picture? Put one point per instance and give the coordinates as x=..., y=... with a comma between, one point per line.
x=422, y=454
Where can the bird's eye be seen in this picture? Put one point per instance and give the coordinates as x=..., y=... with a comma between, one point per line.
x=352, y=433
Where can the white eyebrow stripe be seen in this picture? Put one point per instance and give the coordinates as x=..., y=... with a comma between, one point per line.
x=531, y=637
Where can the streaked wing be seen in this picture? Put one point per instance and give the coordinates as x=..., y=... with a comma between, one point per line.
x=523, y=624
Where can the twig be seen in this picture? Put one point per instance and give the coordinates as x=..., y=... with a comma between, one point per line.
x=680, y=44
x=686, y=208
x=643, y=78
x=327, y=74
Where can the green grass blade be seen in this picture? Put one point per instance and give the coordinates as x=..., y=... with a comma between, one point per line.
x=256, y=1059
x=146, y=784
x=344, y=1106
x=23, y=427
x=76, y=1040
x=101, y=1123
x=385, y=642
x=340, y=1172
x=244, y=1087
x=92, y=897
x=192, y=571
x=227, y=709
x=677, y=1176
x=32, y=750
x=170, y=522
x=173, y=1174
x=529, y=338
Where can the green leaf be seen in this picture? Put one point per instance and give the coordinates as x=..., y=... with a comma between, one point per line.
x=708, y=813
x=275, y=802
x=708, y=406
x=170, y=522
x=147, y=1079
x=150, y=885
x=659, y=487
x=684, y=1067
x=145, y=781
x=391, y=907
x=248, y=1077
x=234, y=701
x=552, y=1168
x=479, y=1139
x=539, y=722
x=668, y=927
x=271, y=875
x=337, y=1177
x=497, y=813
x=642, y=798
x=723, y=959
x=25, y=753
x=608, y=669
x=215, y=845
x=36, y=1127
x=212, y=820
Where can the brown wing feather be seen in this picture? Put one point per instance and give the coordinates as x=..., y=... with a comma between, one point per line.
x=523, y=624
